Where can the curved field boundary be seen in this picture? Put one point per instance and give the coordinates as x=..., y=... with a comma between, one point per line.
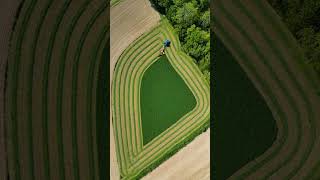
x=292, y=97
x=134, y=158
x=53, y=68
x=128, y=21
x=8, y=12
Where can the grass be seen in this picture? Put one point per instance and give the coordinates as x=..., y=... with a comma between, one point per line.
x=244, y=127
x=302, y=87
x=165, y=98
x=136, y=158
x=114, y=2
x=52, y=145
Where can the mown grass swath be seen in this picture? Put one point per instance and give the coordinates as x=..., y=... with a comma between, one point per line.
x=136, y=159
x=44, y=43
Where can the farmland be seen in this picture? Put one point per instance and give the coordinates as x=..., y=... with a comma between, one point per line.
x=127, y=23
x=134, y=157
x=165, y=98
x=55, y=52
x=273, y=61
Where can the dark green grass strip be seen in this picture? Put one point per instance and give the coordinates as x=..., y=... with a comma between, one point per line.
x=239, y=109
x=102, y=125
x=93, y=63
x=75, y=71
x=165, y=98
x=293, y=45
x=306, y=100
x=14, y=89
x=30, y=89
x=62, y=62
x=45, y=81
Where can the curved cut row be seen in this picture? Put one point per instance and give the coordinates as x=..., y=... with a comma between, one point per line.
x=51, y=96
x=136, y=159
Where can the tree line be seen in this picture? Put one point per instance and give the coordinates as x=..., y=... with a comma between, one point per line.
x=303, y=20
x=191, y=20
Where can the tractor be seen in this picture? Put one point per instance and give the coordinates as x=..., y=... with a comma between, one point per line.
x=166, y=44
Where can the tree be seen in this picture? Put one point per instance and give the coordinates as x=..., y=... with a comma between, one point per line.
x=197, y=42
x=162, y=5
x=186, y=15
x=205, y=20
x=191, y=20
x=206, y=75
x=303, y=20
x=203, y=4
x=204, y=63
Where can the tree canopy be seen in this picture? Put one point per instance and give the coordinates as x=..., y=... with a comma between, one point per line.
x=191, y=20
x=303, y=20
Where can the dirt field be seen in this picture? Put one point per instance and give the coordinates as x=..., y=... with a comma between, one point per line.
x=195, y=154
x=282, y=79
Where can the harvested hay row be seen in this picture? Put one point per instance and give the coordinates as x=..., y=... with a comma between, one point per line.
x=136, y=159
x=53, y=70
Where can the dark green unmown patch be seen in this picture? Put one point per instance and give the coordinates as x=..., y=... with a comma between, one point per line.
x=165, y=98
x=243, y=125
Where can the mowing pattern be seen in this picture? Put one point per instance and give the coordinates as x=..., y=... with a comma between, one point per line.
x=165, y=98
x=270, y=56
x=134, y=158
x=53, y=67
